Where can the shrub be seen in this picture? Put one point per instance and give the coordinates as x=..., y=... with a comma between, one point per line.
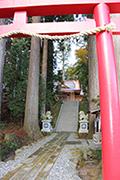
x=7, y=148
x=2, y=125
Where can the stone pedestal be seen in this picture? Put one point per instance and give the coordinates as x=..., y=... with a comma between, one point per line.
x=46, y=126
x=83, y=126
x=97, y=138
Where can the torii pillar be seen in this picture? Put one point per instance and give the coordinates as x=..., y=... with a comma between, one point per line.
x=109, y=97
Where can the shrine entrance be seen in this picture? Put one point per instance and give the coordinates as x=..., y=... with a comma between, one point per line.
x=102, y=27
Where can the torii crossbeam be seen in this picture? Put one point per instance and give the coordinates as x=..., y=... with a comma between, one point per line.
x=54, y=7
x=109, y=96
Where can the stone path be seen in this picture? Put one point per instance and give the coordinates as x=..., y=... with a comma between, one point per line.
x=22, y=154
x=56, y=160
x=38, y=165
x=65, y=166
x=68, y=117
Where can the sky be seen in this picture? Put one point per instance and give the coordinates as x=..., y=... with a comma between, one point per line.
x=72, y=58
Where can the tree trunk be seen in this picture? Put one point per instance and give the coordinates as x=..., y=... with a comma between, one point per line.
x=31, y=124
x=93, y=79
x=63, y=66
x=93, y=70
x=116, y=40
x=2, y=59
x=44, y=75
x=50, y=76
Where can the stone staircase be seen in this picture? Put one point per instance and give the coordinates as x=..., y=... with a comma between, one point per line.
x=68, y=117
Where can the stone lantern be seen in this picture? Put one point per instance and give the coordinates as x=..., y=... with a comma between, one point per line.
x=46, y=122
x=46, y=126
x=83, y=128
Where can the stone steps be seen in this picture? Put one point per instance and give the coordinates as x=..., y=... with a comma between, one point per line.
x=68, y=117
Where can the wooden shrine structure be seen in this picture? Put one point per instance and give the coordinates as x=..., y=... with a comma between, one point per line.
x=70, y=90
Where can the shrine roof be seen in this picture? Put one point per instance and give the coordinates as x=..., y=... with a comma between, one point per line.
x=71, y=86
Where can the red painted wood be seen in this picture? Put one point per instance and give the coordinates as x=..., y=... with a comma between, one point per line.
x=20, y=18
x=50, y=28
x=109, y=98
x=63, y=28
x=54, y=7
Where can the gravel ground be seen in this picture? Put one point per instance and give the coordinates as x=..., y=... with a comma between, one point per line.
x=84, y=143
x=22, y=154
x=65, y=166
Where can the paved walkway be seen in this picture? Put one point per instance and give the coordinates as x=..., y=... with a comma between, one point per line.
x=68, y=117
x=37, y=166
x=54, y=161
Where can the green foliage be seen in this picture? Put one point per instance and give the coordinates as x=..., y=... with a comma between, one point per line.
x=62, y=47
x=50, y=77
x=58, y=18
x=2, y=125
x=80, y=69
x=90, y=155
x=15, y=75
x=9, y=145
x=16, y=72
x=84, y=105
x=61, y=54
x=57, y=51
x=6, y=148
x=99, y=154
x=55, y=112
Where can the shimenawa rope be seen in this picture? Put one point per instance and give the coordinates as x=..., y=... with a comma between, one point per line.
x=108, y=27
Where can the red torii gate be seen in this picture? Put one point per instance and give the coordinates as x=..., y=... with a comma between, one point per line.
x=109, y=96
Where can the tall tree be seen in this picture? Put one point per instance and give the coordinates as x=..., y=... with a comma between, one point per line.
x=16, y=65
x=93, y=72
x=44, y=75
x=62, y=52
x=116, y=40
x=31, y=124
x=82, y=68
x=50, y=76
x=2, y=59
x=93, y=78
